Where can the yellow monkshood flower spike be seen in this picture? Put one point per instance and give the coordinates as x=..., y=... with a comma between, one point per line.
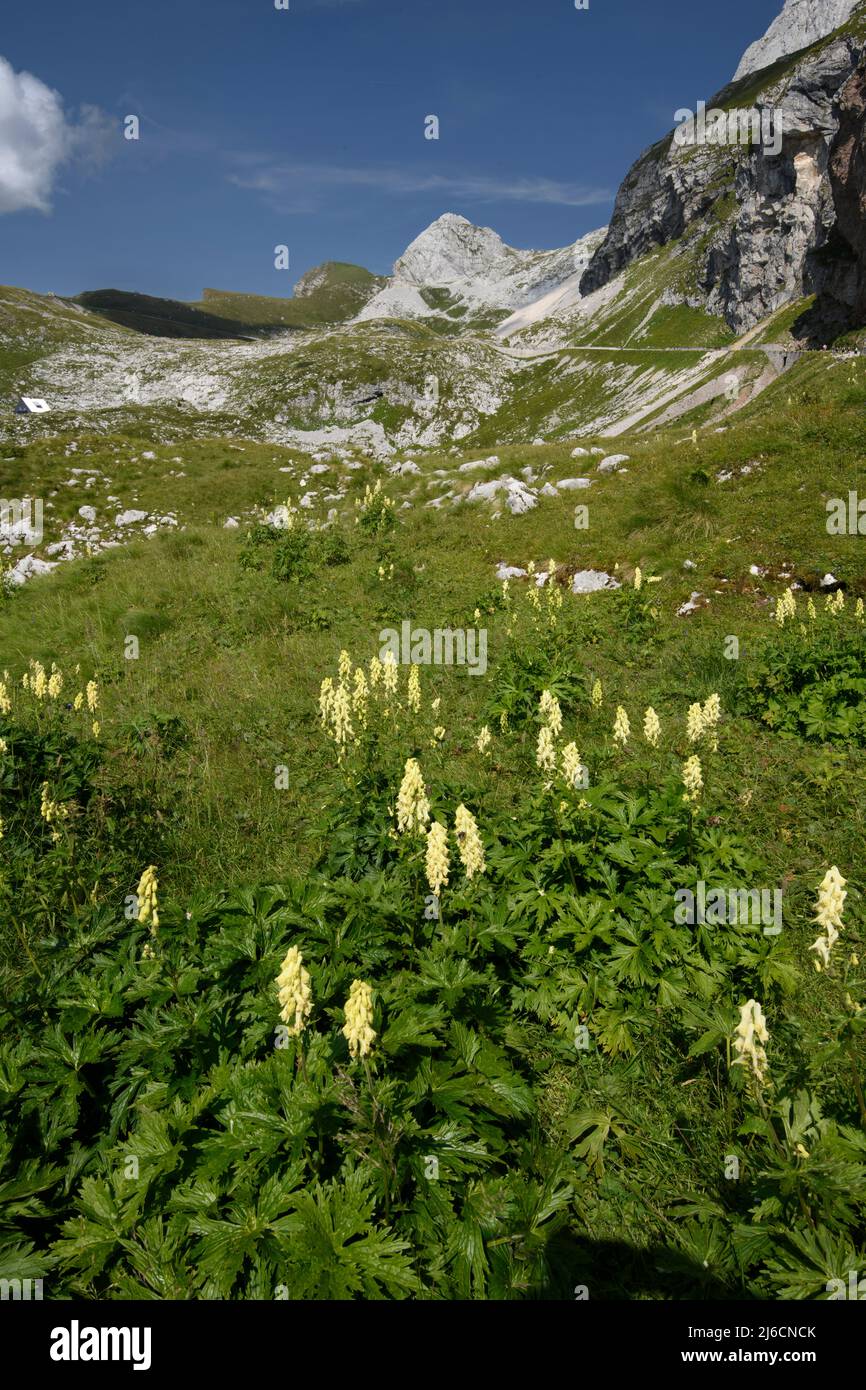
x=831, y=899
x=545, y=752
x=469, y=842
x=621, y=727
x=358, y=1029
x=413, y=693
x=52, y=811
x=437, y=862
x=828, y=914
x=413, y=808
x=652, y=728
x=295, y=993
x=693, y=779
x=786, y=607
x=389, y=674
x=147, y=898
x=712, y=713
x=570, y=764
x=597, y=695
x=749, y=1038
x=695, y=722
x=551, y=712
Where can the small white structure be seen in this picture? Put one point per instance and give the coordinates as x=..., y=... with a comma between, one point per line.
x=31, y=405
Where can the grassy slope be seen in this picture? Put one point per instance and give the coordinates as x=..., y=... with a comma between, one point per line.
x=215, y=640
x=238, y=657
x=33, y=325
x=343, y=290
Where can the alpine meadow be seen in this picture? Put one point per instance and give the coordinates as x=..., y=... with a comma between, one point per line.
x=433, y=701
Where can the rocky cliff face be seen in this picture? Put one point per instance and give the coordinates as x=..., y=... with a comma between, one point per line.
x=752, y=219
x=800, y=24
x=838, y=270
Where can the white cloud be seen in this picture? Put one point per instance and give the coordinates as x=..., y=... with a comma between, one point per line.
x=37, y=138
x=277, y=181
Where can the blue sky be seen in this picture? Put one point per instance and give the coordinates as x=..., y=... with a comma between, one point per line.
x=305, y=127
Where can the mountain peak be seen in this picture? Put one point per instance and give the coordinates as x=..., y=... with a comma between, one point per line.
x=800, y=23
x=451, y=248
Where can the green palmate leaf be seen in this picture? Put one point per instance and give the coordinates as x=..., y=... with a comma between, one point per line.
x=335, y=1254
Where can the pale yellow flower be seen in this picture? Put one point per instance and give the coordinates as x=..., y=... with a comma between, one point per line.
x=389, y=674
x=693, y=779
x=786, y=607
x=413, y=808
x=859, y=611
x=148, y=910
x=413, y=693
x=78, y=702
x=358, y=1029
x=551, y=712
x=469, y=842
x=92, y=696
x=652, y=728
x=831, y=899
x=5, y=702
x=621, y=726
x=437, y=861
x=95, y=726
x=749, y=1039
x=545, y=753
x=823, y=948
x=294, y=992
x=570, y=765
x=375, y=671
x=503, y=722
x=810, y=609
x=638, y=578
x=597, y=695
x=326, y=699
x=52, y=811
x=695, y=722
x=712, y=713
x=484, y=739
x=55, y=685
x=341, y=717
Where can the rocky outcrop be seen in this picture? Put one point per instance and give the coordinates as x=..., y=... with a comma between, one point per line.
x=801, y=23
x=838, y=270
x=751, y=219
